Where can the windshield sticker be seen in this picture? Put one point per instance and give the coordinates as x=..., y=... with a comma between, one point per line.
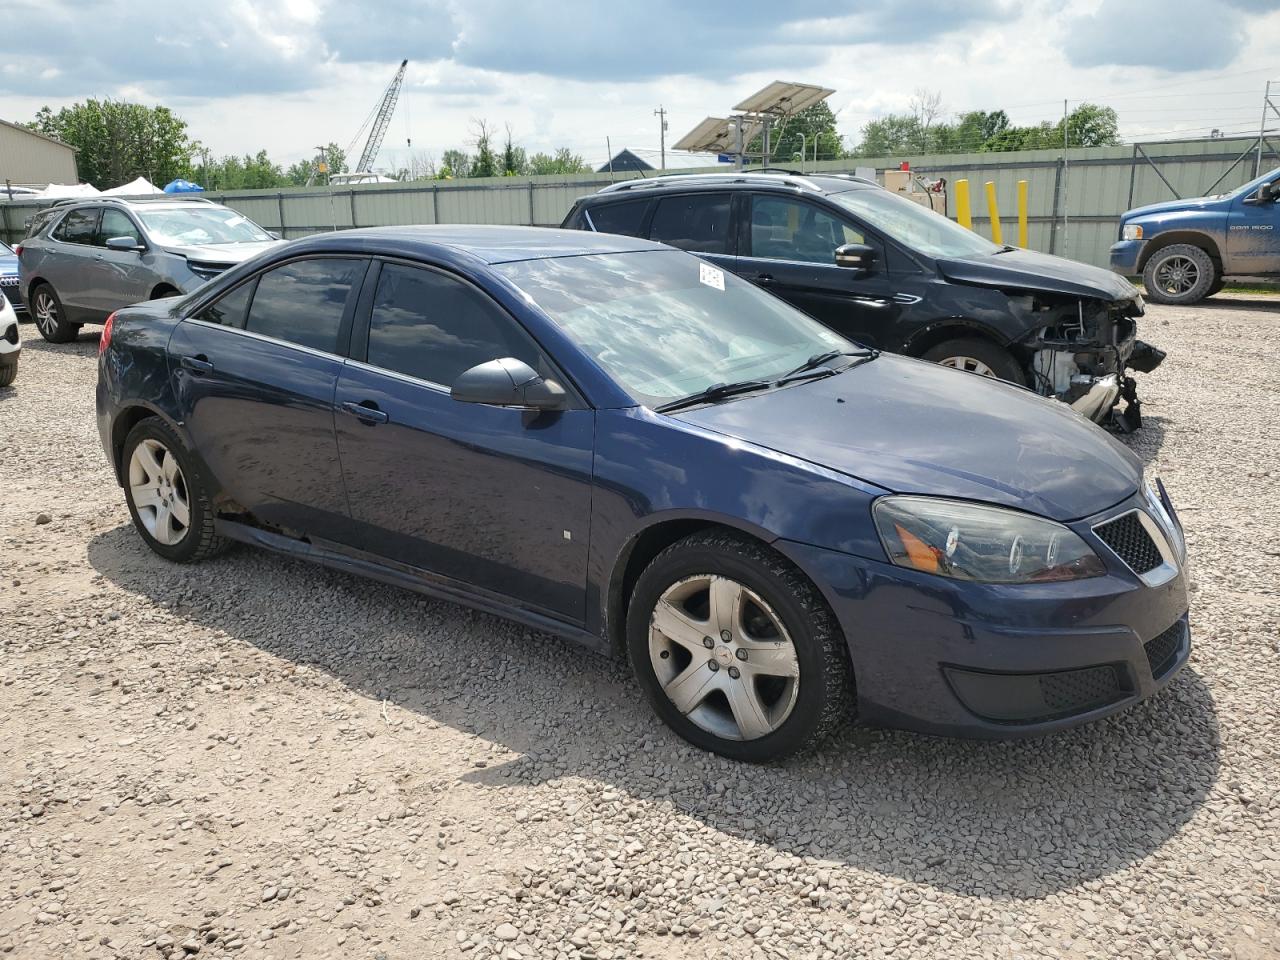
x=711, y=276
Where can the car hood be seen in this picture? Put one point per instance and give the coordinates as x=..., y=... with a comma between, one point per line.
x=915, y=427
x=229, y=253
x=1028, y=270
x=8, y=265
x=1172, y=206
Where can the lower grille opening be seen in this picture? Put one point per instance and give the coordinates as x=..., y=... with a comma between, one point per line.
x=1163, y=650
x=1039, y=697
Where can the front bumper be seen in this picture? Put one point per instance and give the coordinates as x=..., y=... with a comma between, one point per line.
x=996, y=661
x=10, y=291
x=1125, y=255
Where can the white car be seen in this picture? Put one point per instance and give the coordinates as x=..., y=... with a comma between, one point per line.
x=10, y=343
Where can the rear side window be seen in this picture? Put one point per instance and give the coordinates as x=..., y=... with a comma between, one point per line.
x=623, y=218
x=303, y=302
x=116, y=223
x=77, y=226
x=231, y=310
x=698, y=223
x=433, y=326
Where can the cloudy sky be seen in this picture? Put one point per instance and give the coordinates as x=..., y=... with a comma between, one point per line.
x=289, y=74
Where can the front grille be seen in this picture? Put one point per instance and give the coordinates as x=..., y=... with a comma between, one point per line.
x=1163, y=650
x=1129, y=539
x=1075, y=691
x=9, y=287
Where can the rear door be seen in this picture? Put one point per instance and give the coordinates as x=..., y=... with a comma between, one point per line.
x=701, y=223
x=787, y=246
x=255, y=373
x=116, y=278
x=496, y=497
x=1253, y=236
x=67, y=259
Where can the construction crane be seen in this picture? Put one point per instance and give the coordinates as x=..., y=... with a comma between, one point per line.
x=380, y=117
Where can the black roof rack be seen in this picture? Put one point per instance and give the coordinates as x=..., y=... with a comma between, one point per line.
x=165, y=198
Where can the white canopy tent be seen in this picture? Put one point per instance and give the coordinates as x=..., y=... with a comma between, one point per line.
x=63, y=191
x=142, y=187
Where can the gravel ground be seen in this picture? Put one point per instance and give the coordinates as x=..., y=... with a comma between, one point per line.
x=260, y=758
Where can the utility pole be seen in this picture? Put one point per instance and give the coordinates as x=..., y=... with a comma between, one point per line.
x=1066, y=196
x=1262, y=130
x=661, y=114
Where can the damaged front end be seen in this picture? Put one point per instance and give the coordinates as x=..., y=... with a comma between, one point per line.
x=1080, y=352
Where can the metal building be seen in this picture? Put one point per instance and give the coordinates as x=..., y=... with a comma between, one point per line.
x=32, y=159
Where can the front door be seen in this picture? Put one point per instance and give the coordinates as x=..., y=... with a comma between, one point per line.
x=787, y=246
x=495, y=497
x=256, y=373
x=1253, y=236
x=116, y=278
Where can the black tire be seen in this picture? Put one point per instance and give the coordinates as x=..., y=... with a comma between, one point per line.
x=160, y=293
x=1002, y=364
x=55, y=327
x=824, y=683
x=199, y=541
x=1217, y=286
x=1179, y=274
x=8, y=372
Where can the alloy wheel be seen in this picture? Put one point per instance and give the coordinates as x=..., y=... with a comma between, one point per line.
x=46, y=313
x=159, y=492
x=723, y=657
x=1177, y=275
x=969, y=364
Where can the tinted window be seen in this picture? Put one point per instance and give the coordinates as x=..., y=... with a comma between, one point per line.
x=699, y=223
x=621, y=218
x=77, y=227
x=785, y=229
x=433, y=326
x=231, y=310
x=303, y=302
x=116, y=223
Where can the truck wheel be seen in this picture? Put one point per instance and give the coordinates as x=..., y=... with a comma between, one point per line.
x=977, y=356
x=1179, y=274
x=1217, y=286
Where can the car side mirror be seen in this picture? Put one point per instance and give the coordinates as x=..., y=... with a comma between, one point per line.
x=508, y=382
x=124, y=243
x=856, y=256
x=1270, y=192
x=273, y=235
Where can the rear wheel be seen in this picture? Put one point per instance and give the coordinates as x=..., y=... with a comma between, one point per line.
x=168, y=499
x=982, y=357
x=50, y=317
x=736, y=650
x=8, y=371
x=1179, y=274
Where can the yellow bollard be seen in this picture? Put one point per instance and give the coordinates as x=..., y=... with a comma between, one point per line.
x=963, y=216
x=1022, y=214
x=996, y=236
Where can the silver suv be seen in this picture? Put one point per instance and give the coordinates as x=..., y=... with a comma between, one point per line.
x=82, y=259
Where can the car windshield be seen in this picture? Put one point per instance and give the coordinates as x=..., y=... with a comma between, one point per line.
x=914, y=226
x=666, y=325
x=192, y=226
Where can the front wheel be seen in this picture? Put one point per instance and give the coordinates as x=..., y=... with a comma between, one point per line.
x=50, y=317
x=8, y=373
x=1179, y=274
x=982, y=357
x=736, y=650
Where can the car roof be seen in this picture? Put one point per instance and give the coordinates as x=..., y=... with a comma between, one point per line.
x=488, y=243
x=784, y=181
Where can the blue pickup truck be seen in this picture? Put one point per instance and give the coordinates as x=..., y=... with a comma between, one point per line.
x=1184, y=250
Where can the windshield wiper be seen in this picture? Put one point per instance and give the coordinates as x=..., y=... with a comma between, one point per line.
x=717, y=391
x=818, y=359
x=1005, y=249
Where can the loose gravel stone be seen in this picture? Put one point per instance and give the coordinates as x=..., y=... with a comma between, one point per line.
x=412, y=779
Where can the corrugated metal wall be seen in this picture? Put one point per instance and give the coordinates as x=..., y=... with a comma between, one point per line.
x=27, y=158
x=1074, y=206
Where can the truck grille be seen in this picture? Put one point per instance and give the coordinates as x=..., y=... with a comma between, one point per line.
x=1129, y=539
x=1162, y=650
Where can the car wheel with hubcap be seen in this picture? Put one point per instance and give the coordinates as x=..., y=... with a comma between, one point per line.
x=973, y=355
x=166, y=497
x=50, y=318
x=1179, y=274
x=736, y=650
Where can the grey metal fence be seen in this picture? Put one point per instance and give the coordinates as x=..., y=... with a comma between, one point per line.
x=1075, y=203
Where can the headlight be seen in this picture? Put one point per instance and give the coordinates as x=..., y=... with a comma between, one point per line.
x=1131, y=231
x=967, y=541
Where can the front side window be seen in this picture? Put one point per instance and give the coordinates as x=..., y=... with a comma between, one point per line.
x=433, y=326
x=624, y=218
x=303, y=302
x=198, y=225
x=786, y=229
x=666, y=325
x=913, y=226
x=696, y=222
x=116, y=223
x=78, y=226
x=231, y=310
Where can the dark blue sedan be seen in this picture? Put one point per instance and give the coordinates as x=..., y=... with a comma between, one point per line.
x=615, y=441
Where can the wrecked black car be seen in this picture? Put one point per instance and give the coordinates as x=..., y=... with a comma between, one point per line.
x=891, y=273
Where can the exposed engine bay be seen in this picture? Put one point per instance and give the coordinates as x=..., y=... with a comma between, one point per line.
x=1080, y=353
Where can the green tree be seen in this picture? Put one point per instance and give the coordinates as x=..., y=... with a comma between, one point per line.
x=562, y=161
x=514, y=160
x=485, y=162
x=1090, y=125
x=800, y=132
x=118, y=141
x=454, y=163
x=889, y=135
x=304, y=171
